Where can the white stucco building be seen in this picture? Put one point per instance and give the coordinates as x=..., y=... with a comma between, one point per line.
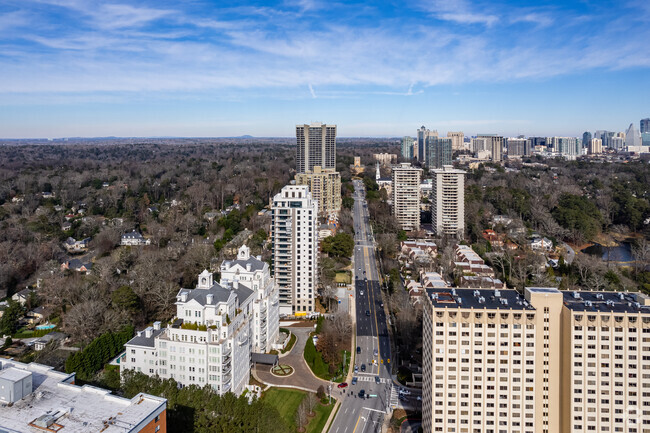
x=216, y=328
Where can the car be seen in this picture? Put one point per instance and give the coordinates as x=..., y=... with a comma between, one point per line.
x=362, y=393
x=418, y=398
x=363, y=367
x=376, y=379
x=367, y=312
x=360, y=269
x=404, y=391
x=365, y=279
x=358, y=349
x=354, y=380
x=342, y=385
x=356, y=368
x=381, y=304
x=375, y=353
x=364, y=272
x=361, y=292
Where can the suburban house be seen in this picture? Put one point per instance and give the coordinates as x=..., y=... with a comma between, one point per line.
x=23, y=296
x=74, y=246
x=541, y=244
x=76, y=265
x=134, y=238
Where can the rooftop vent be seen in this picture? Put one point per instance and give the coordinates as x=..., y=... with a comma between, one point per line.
x=497, y=293
x=599, y=296
x=576, y=295
x=588, y=303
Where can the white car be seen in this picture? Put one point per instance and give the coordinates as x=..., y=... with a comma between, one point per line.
x=361, y=292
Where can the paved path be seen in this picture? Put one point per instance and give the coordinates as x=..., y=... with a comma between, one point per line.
x=302, y=376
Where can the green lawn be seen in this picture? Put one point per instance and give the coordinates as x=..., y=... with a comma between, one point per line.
x=286, y=401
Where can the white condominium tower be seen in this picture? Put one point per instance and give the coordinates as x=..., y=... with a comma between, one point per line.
x=294, y=230
x=548, y=361
x=216, y=328
x=253, y=273
x=406, y=195
x=448, y=201
x=316, y=146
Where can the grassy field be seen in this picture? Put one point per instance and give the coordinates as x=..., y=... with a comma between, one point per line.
x=286, y=401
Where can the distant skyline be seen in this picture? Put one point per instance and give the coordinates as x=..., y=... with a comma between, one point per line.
x=89, y=68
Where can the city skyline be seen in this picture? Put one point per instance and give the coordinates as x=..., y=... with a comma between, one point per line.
x=92, y=69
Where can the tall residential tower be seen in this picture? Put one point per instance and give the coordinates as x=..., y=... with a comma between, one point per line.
x=406, y=195
x=448, y=201
x=316, y=146
x=294, y=230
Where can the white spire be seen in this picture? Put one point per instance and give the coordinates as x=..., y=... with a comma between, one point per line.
x=378, y=174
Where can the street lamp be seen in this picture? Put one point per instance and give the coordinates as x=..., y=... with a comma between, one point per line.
x=329, y=390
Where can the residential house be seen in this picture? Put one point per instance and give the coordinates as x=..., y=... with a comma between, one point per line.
x=77, y=265
x=541, y=244
x=23, y=296
x=66, y=226
x=47, y=339
x=134, y=238
x=74, y=246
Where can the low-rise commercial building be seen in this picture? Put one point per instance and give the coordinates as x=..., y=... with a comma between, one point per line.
x=36, y=398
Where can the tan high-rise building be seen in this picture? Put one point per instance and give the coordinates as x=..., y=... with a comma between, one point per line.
x=325, y=188
x=448, y=201
x=316, y=145
x=547, y=362
x=595, y=146
x=406, y=195
x=494, y=144
x=457, y=140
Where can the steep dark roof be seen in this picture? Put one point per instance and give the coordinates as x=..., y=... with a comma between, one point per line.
x=143, y=341
x=220, y=294
x=256, y=265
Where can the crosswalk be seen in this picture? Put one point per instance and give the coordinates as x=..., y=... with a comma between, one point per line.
x=371, y=379
x=393, y=397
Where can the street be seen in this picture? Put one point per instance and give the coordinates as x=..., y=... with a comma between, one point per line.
x=372, y=351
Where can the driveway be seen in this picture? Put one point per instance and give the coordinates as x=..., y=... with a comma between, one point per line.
x=302, y=376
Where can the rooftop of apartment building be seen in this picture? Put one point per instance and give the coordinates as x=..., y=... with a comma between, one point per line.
x=606, y=302
x=47, y=400
x=478, y=299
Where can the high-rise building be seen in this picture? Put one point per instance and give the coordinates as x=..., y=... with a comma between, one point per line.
x=216, y=328
x=325, y=188
x=494, y=145
x=645, y=139
x=537, y=141
x=439, y=152
x=586, y=137
x=316, y=145
x=406, y=195
x=595, y=146
x=448, y=201
x=568, y=147
x=644, y=125
x=421, y=145
x=518, y=147
x=37, y=398
x=548, y=361
x=632, y=136
x=479, y=144
x=407, y=147
x=294, y=230
x=457, y=140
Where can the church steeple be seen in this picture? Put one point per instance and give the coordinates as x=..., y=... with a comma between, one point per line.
x=378, y=174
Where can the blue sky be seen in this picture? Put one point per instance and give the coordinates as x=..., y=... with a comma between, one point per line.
x=225, y=68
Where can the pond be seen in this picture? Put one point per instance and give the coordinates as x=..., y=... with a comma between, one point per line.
x=620, y=253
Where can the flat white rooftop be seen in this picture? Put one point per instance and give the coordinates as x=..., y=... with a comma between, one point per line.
x=73, y=409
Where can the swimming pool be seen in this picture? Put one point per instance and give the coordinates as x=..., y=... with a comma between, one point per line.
x=48, y=326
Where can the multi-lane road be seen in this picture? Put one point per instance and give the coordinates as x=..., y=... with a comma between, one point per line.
x=372, y=354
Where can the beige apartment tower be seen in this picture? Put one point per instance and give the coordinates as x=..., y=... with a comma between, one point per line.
x=457, y=140
x=549, y=361
x=406, y=195
x=448, y=201
x=316, y=145
x=595, y=146
x=325, y=188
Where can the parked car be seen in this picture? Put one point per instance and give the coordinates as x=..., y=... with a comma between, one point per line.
x=356, y=369
x=354, y=380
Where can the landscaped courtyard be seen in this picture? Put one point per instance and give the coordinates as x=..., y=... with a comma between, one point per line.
x=286, y=401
